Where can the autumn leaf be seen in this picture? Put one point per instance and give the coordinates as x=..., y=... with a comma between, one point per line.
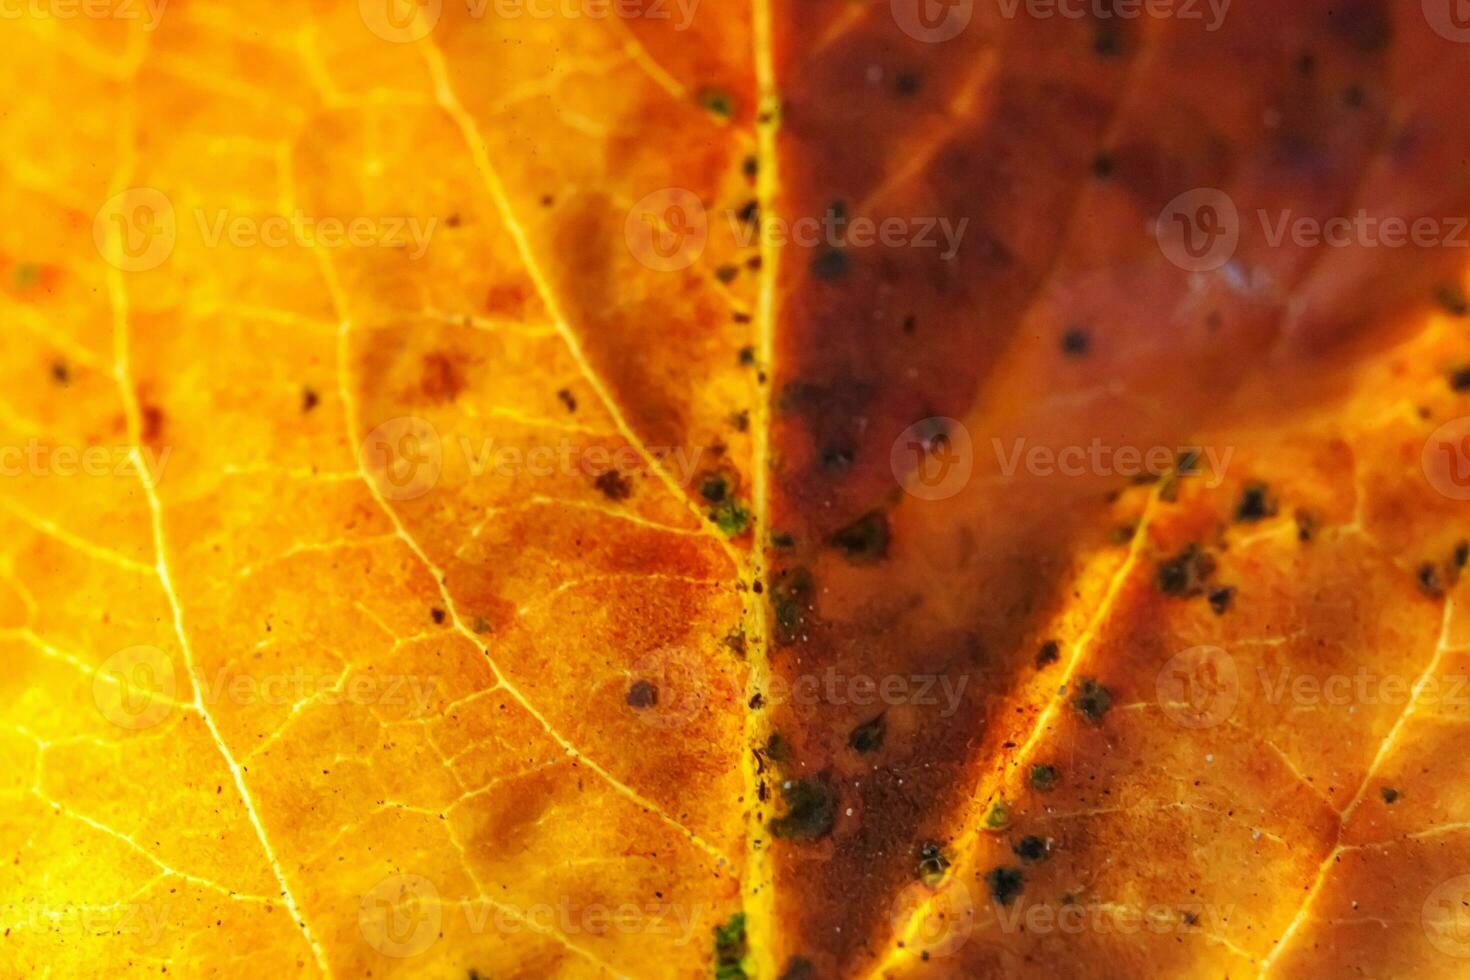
x=777, y=489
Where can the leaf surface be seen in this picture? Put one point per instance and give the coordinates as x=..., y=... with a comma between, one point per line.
x=512, y=594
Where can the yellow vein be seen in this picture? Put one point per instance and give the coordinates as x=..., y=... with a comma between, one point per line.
x=1384, y=748
x=122, y=373
x=349, y=408
x=966, y=845
x=351, y=423
x=757, y=882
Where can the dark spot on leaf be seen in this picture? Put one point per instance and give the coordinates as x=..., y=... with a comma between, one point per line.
x=1106, y=43
x=1390, y=795
x=865, y=540
x=1031, y=848
x=309, y=399
x=1092, y=700
x=777, y=748
x=438, y=615
x=831, y=265
x=1005, y=884
x=642, y=694
x=867, y=737
x=716, y=101
x=1185, y=574
x=1043, y=777
x=726, y=273
x=614, y=485
x=791, y=593
x=750, y=166
x=905, y=84
x=60, y=373
x=1076, y=342
x=747, y=356
x=799, y=968
x=1459, y=378
x=1430, y=582
x=836, y=460
x=567, y=399
x=1255, y=504
x=1452, y=300
x=1049, y=654
x=714, y=487
x=811, y=810
x=1102, y=166
x=1221, y=598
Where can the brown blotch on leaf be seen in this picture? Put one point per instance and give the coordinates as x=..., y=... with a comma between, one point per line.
x=1186, y=573
x=153, y=422
x=309, y=399
x=566, y=397
x=1092, y=700
x=614, y=485
x=442, y=379
x=642, y=694
x=438, y=615
x=1049, y=654
x=1221, y=598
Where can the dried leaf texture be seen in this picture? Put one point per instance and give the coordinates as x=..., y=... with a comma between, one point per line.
x=573, y=575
